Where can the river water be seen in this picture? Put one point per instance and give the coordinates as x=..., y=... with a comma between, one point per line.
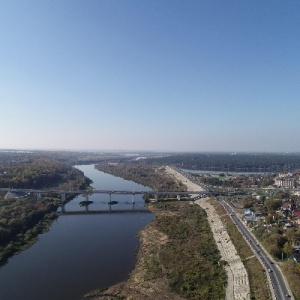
x=80, y=252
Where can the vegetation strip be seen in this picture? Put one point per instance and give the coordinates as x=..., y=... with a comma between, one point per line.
x=259, y=288
x=238, y=283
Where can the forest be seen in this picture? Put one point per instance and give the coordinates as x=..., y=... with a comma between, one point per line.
x=22, y=217
x=40, y=173
x=247, y=162
x=21, y=220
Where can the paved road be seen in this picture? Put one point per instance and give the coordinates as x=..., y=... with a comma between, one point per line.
x=281, y=290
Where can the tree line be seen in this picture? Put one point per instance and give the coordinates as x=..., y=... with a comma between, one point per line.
x=250, y=162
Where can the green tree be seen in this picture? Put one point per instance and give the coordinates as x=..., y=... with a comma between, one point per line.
x=272, y=205
x=247, y=202
x=288, y=249
x=292, y=235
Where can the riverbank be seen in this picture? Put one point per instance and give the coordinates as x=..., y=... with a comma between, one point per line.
x=24, y=240
x=144, y=281
x=177, y=257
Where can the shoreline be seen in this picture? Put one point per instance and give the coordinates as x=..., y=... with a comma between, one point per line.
x=139, y=283
x=238, y=284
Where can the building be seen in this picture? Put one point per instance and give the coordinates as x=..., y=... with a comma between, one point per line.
x=285, y=180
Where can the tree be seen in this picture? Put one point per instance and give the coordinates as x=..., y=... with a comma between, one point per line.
x=247, y=202
x=288, y=249
x=292, y=235
x=272, y=205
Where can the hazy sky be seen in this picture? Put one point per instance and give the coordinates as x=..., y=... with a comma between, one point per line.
x=205, y=75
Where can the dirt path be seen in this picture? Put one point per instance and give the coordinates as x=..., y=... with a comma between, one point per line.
x=238, y=284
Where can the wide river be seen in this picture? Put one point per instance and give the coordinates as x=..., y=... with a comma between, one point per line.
x=80, y=252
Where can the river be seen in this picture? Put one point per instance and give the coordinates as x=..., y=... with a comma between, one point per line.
x=80, y=252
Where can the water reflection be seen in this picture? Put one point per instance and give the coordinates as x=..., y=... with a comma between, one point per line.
x=80, y=252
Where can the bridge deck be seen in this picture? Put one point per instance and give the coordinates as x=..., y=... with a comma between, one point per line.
x=96, y=212
x=121, y=192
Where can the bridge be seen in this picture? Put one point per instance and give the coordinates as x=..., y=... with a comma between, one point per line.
x=203, y=192
x=95, y=191
x=179, y=194
x=40, y=192
x=101, y=212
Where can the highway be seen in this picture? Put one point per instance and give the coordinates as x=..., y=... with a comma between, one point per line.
x=280, y=288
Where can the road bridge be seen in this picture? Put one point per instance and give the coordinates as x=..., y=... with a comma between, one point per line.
x=39, y=193
x=101, y=212
x=97, y=191
x=156, y=194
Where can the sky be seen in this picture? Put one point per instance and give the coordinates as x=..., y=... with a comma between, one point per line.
x=162, y=75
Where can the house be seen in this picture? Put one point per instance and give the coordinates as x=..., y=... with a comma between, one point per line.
x=287, y=207
x=287, y=225
x=297, y=221
x=248, y=212
x=296, y=213
x=251, y=218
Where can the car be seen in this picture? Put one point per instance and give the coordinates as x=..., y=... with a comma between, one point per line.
x=271, y=262
x=270, y=270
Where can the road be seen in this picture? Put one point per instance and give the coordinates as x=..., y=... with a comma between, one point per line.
x=281, y=289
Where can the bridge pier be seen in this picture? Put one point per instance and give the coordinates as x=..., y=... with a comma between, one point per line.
x=87, y=205
x=178, y=197
x=156, y=197
x=133, y=199
x=62, y=198
x=39, y=196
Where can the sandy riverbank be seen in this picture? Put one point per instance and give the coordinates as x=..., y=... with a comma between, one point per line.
x=238, y=283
